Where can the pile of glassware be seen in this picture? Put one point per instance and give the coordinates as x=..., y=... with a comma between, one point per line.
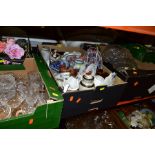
x=119, y=57
x=97, y=120
x=20, y=94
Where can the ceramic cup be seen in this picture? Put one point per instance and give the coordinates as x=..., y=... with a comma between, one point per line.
x=98, y=80
x=71, y=84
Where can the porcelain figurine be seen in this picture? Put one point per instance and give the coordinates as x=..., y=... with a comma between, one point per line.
x=54, y=56
x=94, y=57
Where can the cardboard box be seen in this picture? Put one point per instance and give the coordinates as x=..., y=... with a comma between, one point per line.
x=101, y=119
x=139, y=81
x=77, y=102
x=18, y=66
x=45, y=116
x=146, y=107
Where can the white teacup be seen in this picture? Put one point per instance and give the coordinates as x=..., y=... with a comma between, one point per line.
x=71, y=84
x=98, y=80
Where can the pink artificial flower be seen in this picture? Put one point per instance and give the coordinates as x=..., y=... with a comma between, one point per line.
x=10, y=41
x=14, y=51
x=2, y=46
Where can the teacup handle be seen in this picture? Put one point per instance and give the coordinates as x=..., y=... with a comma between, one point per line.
x=66, y=88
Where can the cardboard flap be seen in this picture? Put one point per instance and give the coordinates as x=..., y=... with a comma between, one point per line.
x=62, y=48
x=145, y=65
